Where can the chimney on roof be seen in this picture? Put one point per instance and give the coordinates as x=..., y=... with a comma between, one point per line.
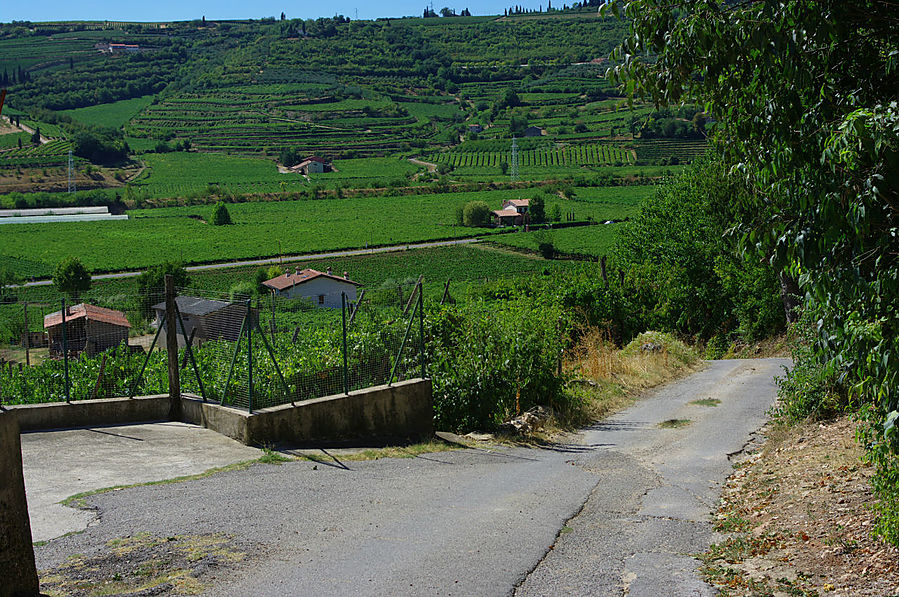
x=346, y=276
x=296, y=271
x=329, y=270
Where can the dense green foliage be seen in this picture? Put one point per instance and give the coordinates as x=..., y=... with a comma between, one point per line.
x=151, y=284
x=220, y=215
x=805, y=97
x=71, y=277
x=684, y=274
x=475, y=214
x=491, y=360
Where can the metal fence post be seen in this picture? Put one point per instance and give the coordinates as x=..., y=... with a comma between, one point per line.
x=27, y=337
x=65, y=351
x=249, y=326
x=171, y=348
x=421, y=328
x=346, y=383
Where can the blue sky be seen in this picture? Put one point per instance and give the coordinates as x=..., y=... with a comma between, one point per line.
x=172, y=10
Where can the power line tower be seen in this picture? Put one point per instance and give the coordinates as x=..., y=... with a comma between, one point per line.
x=514, y=159
x=71, y=173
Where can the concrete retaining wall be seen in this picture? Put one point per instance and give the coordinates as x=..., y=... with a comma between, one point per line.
x=89, y=413
x=17, y=567
x=223, y=419
x=403, y=410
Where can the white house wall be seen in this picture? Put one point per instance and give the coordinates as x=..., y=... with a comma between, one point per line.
x=327, y=287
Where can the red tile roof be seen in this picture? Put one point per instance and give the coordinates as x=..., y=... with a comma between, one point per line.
x=517, y=202
x=90, y=312
x=506, y=213
x=291, y=279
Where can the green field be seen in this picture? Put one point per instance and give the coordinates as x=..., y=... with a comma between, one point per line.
x=180, y=174
x=268, y=228
x=546, y=156
x=582, y=240
x=114, y=115
x=12, y=140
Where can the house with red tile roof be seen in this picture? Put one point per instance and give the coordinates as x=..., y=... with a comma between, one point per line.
x=89, y=328
x=512, y=212
x=324, y=289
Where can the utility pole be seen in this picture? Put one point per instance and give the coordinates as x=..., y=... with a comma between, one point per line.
x=514, y=159
x=27, y=338
x=71, y=173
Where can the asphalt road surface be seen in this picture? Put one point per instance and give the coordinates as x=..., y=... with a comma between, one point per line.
x=617, y=510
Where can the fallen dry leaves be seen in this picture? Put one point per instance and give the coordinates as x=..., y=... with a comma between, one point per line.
x=797, y=519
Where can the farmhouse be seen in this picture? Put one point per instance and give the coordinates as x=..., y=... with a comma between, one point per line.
x=475, y=128
x=533, y=131
x=512, y=212
x=206, y=319
x=322, y=288
x=88, y=328
x=312, y=165
x=117, y=48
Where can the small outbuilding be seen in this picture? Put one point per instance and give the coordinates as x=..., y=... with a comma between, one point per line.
x=206, y=319
x=533, y=131
x=88, y=328
x=312, y=165
x=324, y=289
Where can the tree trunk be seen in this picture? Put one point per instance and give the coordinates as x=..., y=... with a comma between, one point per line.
x=789, y=294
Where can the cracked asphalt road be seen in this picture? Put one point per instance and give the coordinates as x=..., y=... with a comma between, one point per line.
x=618, y=510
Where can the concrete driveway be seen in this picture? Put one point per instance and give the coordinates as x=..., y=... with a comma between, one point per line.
x=59, y=464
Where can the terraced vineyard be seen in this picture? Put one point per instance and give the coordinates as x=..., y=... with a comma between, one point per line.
x=55, y=152
x=650, y=151
x=573, y=155
x=264, y=119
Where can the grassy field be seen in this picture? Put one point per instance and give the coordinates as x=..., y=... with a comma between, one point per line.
x=152, y=236
x=583, y=240
x=114, y=115
x=180, y=174
x=466, y=266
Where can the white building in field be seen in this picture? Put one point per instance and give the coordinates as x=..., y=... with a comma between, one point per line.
x=324, y=289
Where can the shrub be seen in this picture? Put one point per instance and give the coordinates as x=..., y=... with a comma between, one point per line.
x=220, y=216
x=476, y=213
x=809, y=389
x=492, y=361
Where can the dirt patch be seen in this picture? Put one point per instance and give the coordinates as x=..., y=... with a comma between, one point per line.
x=429, y=165
x=799, y=511
x=55, y=179
x=145, y=565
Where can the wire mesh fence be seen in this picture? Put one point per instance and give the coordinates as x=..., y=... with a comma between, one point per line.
x=251, y=352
